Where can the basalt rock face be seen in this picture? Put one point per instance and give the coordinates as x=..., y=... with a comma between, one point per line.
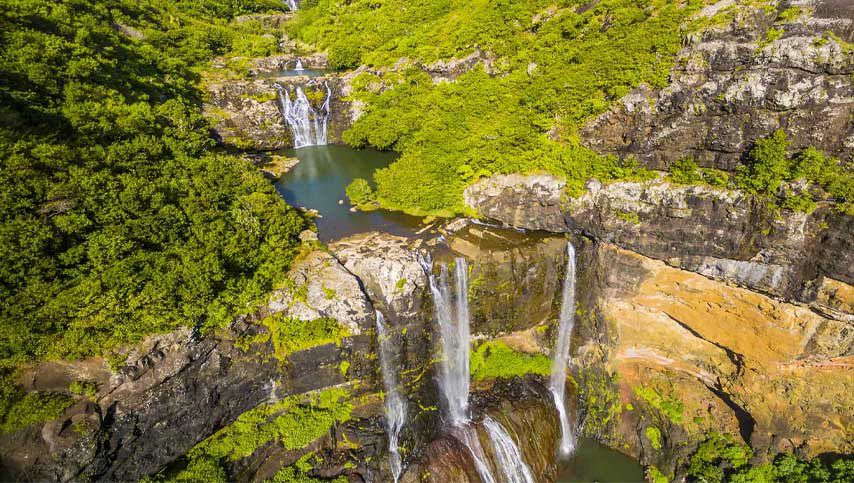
x=528, y=417
x=728, y=360
x=171, y=391
x=176, y=390
x=719, y=233
x=247, y=114
x=737, y=82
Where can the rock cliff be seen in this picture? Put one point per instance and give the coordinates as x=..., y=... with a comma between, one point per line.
x=748, y=72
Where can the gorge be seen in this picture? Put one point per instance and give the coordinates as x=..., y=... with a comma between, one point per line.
x=475, y=242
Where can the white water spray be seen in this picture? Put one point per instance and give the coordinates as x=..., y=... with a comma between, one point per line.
x=467, y=434
x=395, y=406
x=507, y=454
x=309, y=125
x=557, y=383
x=299, y=65
x=454, y=332
x=293, y=5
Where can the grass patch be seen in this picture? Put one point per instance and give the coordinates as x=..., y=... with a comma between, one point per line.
x=291, y=335
x=495, y=359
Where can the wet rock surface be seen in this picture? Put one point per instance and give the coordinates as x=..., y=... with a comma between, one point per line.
x=247, y=113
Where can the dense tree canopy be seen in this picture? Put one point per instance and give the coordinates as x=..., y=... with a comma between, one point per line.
x=551, y=65
x=118, y=219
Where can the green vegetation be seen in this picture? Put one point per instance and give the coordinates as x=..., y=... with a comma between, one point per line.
x=653, y=434
x=293, y=423
x=359, y=192
x=629, y=217
x=83, y=388
x=291, y=335
x=600, y=401
x=19, y=410
x=553, y=65
x=655, y=475
x=494, y=359
x=790, y=15
x=715, y=453
x=685, y=171
x=118, y=219
x=769, y=166
x=719, y=458
x=668, y=406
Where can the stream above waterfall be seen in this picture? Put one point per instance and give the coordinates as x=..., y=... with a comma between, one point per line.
x=318, y=182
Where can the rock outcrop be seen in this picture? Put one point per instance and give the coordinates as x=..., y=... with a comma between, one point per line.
x=719, y=233
x=247, y=114
x=730, y=360
x=753, y=71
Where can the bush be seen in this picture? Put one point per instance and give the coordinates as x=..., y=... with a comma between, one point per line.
x=717, y=453
x=343, y=57
x=83, y=388
x=359, y=192
x=768, y=165
x=685, y=171
x=653, y=434
x=291, y=335
x=19, y=410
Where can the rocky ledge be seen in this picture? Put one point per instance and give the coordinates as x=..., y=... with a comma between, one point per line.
x=722, y=234
x=752, y=71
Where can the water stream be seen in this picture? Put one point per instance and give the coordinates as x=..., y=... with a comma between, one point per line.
x=508, y=457
x=308, y=125
x=467, y=434
x=293, y=5
x=560, y=361
x=452, y=316
x=395, y=406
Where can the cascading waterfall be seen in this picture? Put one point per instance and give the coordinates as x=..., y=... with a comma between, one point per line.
x=454, y=332
x=467, y=434
x=557, y=383
x=507, y=454
x=395, y=406
x=293, y=5
x=308, y=125
x=299, y=66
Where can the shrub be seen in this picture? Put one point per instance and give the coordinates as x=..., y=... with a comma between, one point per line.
x=768, y=165
x=360, y=192
x=653, y=434
x=21, y=410
x=83, y=388
x=670, y=407
x=685, y=171
x=717, y=452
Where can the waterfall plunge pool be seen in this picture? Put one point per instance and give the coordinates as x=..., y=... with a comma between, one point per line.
x=318, y=182
x=593, y=461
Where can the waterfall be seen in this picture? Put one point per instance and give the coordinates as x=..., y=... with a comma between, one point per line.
x=293, y=5
x=395, y=406
x=507, y=455
x=454, y=333
x=299, y=65
x=557, y=384
x=307, y=124
x=467, y=434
